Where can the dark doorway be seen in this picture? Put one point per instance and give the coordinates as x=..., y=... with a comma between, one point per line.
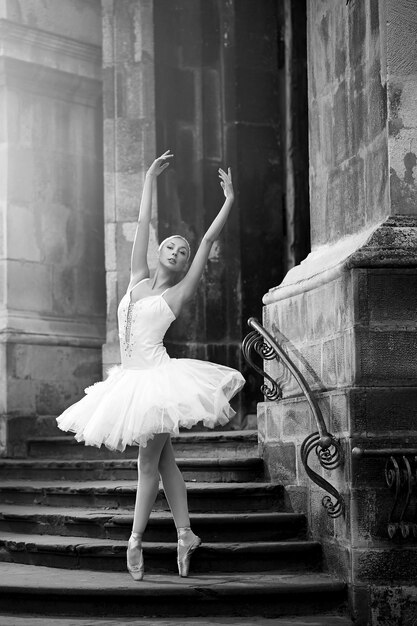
x=221, y=82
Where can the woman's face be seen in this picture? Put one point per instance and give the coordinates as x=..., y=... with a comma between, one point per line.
x=174, y=254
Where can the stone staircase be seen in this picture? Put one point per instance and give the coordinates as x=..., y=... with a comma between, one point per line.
x=66, y=513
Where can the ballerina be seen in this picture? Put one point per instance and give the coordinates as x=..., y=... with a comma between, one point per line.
x=150, y=396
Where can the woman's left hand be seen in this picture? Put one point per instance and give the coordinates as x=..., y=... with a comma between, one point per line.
x=226, y=183
x=160, y=164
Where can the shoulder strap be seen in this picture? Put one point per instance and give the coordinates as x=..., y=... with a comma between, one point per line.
x=165, y=291
x=136, y=284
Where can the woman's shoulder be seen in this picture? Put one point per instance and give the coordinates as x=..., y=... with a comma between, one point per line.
x=136, y=280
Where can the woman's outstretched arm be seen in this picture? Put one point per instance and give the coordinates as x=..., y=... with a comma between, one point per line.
x=139, y=262
x=189, y=284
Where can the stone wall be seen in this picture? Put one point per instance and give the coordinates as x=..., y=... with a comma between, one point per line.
x=129, y=144
x=347, y=313
x=402, y=94
x=324, y=353
x=52, y=275
x=348, y=114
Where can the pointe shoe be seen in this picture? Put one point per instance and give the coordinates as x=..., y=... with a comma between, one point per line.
x=136, y=571
x=188, y=542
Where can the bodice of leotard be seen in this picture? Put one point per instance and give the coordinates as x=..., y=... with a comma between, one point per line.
x=142, y=327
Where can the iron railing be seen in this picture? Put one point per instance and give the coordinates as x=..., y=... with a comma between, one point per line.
x=327, y=448
x=401, y=478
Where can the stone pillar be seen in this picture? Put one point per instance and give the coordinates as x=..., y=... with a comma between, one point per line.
x=51, y=242
x=293, y=52
x=129, y=143
x=347, y=314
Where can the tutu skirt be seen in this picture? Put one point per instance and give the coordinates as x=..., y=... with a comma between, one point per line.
x=132, y=405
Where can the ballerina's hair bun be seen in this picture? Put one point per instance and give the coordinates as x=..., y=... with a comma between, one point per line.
x=175, y=237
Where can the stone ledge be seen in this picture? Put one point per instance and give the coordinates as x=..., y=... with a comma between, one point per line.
x=51, y=82
x=28, y=327
x=213, y=436
x=37, y=590
x=129, y=487
x=317, y=620
x=58, y=543
x=38, y=579
x=56, y=51
x=391, y=243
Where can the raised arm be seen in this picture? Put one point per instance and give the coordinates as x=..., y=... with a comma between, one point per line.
x=139, y=262
x=188, y=285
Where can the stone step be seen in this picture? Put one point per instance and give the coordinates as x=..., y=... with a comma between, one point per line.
x=244, y=469
x=210, y=497
x=38, y=590
x=160, y=558
x=212, y=527
x=220, y=444
x=330, y=619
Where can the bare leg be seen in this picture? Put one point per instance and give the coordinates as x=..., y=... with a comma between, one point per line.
x=174, y=486
x=148, y=481
x=146, y=492
x=176, y=494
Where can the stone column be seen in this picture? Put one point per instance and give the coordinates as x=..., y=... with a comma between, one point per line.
x=348, y=313
x=51, y=242
x=293, y=51
x=129, y=143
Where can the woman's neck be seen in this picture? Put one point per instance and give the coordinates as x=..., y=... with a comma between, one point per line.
x=162, y=278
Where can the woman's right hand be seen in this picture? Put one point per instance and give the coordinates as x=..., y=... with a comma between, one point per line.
x=160, y=164
x=226, y=183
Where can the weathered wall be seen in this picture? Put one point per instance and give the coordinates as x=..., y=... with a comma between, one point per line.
x=52, y=296
x=77, y=19
x=402, y=96
x=356, y=68
x=352, y=334
x=349, y=187
x=129, y=144
x=347, y=314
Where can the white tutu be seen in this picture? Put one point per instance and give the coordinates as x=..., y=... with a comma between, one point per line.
x=150, y=393
x=132, y=405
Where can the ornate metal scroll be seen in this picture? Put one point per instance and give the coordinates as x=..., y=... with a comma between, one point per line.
x=401, y=478
x=326, y=447
x=330, y=458
x=255, y=342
